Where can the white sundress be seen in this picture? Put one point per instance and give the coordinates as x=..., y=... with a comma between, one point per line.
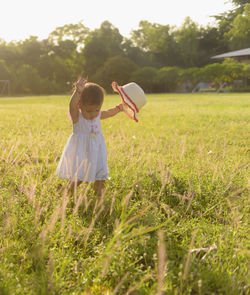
x=84, y=156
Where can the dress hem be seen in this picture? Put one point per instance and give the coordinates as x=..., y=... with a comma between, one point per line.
x=92, y=181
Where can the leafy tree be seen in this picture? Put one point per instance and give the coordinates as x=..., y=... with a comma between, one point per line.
x=247, y=71
x=211, y=42
x=77, y=33
x=139, y=56
x=240, y=2
x=68, y=42
x=101, y=44
x=4, y=72
x=232, y=70
x=10, y=53
x=117, y=68
x=65, y=48
x=239, y=34
x=30, y=51
x=187, y=37
x=46, y=67
x=227, y=71
x=225, y=20
x=157, y=39
x=62, y=73
x=27, y=80
x=213, y=73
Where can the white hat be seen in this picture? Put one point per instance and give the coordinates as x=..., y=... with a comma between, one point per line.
x=133, y=98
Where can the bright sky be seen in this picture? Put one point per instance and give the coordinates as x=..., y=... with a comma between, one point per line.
x=20, y=19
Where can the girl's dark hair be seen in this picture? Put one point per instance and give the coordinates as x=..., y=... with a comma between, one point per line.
x=92, y=94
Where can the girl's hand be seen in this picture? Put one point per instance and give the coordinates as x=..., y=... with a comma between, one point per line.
x=80, y=84
x=75, y=98
x=120, y=107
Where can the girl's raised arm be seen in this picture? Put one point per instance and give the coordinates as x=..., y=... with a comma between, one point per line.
x=75, y=98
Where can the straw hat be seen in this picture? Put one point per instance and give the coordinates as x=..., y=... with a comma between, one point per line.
x=133, y=98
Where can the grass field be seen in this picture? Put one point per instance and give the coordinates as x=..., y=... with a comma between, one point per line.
x=174, y=217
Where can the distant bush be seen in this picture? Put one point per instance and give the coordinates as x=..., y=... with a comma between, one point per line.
x=240, y=89
x=146, y=78
x=167, y=79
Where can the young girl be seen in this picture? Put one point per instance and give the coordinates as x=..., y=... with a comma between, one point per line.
x=84, y=157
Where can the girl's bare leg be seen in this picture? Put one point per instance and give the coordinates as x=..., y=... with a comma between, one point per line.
x=99, y=187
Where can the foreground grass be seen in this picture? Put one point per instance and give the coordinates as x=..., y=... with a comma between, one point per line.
x=173, y=219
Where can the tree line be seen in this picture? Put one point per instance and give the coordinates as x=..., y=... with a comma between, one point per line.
x=158, y=57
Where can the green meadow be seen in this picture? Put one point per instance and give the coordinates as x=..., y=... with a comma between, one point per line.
x=174, y=216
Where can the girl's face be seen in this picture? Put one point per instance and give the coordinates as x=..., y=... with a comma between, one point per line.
x=90, y=112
